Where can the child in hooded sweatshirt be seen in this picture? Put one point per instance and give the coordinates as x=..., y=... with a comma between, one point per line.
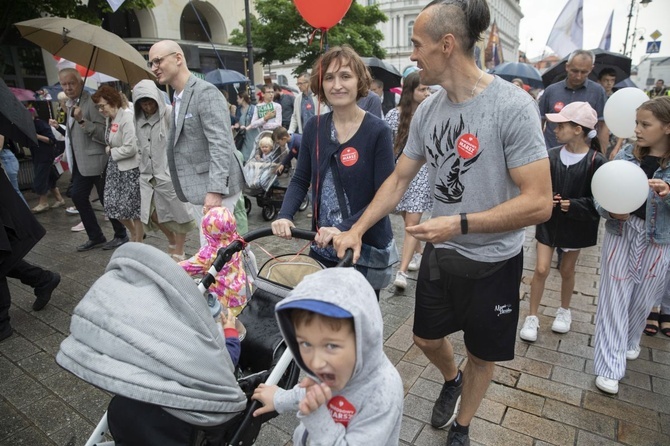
x=353, y=395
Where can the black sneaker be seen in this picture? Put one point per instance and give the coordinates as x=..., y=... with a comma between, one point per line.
x=458, y=439
x=446, y=406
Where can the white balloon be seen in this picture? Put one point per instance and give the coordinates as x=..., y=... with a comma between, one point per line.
x=620, y=187
x=620, y=111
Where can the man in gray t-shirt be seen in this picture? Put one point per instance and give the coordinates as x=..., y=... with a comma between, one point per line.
x=469, y=148
x=489, y=174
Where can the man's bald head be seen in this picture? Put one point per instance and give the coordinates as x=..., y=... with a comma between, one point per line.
x=169, y=64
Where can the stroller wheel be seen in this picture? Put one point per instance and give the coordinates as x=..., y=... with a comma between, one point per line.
x=269, y=212
x=247, y=205
x=305, y=204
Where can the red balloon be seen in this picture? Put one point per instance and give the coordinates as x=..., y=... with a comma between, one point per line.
x=322, y=14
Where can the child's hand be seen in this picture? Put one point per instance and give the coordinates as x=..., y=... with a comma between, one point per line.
x=265, y=394
x=229, y=320
x=622, y=217
x=660, y=187
x=316, y=396
x=557, y=199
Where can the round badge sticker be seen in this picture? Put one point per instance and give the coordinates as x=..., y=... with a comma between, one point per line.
x=115, y=127
x=558, y=107
x=349, y=156
x=467, y=145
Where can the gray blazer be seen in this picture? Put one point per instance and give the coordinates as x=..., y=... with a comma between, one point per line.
x=88, y=141
x=200, y=147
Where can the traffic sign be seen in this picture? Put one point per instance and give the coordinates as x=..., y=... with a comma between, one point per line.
x=655, y=35
x=653, y=47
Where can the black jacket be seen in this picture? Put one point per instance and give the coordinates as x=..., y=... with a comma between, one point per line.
x=577, y=228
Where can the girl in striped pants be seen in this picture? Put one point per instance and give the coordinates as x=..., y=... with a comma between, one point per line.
x=636, y=251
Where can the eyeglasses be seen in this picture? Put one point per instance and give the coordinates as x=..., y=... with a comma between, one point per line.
x=101, y=106
x=157, y=61
x=303, y=82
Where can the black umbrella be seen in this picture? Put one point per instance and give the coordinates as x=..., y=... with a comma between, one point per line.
x=604, y=59
x=221, y=77
x=524, y=71
x=15, y=120
x=383, y=71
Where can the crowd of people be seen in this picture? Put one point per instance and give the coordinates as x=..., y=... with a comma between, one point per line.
x=482, y=156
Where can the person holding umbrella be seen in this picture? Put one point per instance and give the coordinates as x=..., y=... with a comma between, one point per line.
x=86, y=133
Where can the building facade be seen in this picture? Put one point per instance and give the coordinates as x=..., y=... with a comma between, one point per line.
x=402, y=14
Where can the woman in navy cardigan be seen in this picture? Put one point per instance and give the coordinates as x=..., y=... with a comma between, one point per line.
x=345, y=156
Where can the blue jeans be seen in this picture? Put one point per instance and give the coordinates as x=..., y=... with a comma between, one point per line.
x=11, y=165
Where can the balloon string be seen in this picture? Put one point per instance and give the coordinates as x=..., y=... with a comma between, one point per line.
x=317, y=201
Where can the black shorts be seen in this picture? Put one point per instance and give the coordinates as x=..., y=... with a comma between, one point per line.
x=487, y=310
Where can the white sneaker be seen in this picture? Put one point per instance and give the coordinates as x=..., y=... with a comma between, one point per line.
x=72, y=210
x=415, y=263
x=78, y=228
x=529, y=330
x=562, y=322
x=400, y=280
x=633, y=353
x=607, y=385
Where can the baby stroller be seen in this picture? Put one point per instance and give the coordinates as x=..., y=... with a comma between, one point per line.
x=165, y=316
x=262, y=182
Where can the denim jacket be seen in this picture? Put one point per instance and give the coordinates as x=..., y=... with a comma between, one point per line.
x=657, y=221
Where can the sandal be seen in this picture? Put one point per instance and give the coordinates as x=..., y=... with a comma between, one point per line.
x=652, y=327
x=665, y=319
x=40, y=208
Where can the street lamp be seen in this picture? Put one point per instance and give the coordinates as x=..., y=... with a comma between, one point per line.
x=630, y=16
x=250, y=54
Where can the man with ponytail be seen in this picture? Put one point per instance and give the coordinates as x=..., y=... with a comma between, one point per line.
x=481, y=139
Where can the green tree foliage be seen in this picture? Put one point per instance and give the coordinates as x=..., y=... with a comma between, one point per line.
x=280, y=33
x=18, y=10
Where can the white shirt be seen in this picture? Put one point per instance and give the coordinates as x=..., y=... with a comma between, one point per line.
x=177, y=105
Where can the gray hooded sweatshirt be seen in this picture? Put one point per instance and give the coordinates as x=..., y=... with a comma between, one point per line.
x=372, y=400
x=144, y=331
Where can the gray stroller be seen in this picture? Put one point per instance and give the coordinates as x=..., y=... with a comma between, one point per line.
x=145, y=332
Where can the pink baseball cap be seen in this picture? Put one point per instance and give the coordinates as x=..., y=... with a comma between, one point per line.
x=578, y=112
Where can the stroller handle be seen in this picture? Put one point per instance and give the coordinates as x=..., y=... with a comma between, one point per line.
x=302, y=234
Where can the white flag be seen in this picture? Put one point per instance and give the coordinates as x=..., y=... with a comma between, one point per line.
x=115, y=4
x=606, y=40
x=568, y=31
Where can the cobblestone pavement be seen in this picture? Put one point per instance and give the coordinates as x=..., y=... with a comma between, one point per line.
x=546, y=395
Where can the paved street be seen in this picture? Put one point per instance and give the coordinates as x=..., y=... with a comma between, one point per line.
x=544, y=396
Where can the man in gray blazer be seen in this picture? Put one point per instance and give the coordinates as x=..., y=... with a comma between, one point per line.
x=203, y=166
x=86, y=131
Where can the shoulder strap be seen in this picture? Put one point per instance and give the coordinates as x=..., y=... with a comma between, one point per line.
x=338, y=188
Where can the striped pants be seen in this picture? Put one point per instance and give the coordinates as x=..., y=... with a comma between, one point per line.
x=632, y=278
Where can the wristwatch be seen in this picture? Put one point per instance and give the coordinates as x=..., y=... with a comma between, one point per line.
x=464, y=223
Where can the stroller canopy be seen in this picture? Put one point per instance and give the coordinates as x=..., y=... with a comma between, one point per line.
x=144, y=331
